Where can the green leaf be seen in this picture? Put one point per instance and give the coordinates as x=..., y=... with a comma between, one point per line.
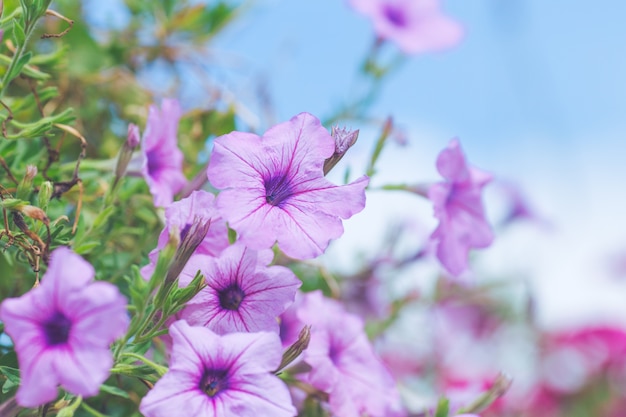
x=232, y=235
x=140, y=348
x=17, y=68
x=28, y=70
x=442, y=408
x=85, y=248
x=114, y=391
x=102, y=218
x=18, y=32
x=41, y=126
x=13, y=378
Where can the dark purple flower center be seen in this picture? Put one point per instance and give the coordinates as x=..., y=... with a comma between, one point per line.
x=154, y=162
x=57, y=329
x=184, y=231
x=231, y=297
x=395, y=15
x=277, y=190
x=334, y=350
x=213, y=381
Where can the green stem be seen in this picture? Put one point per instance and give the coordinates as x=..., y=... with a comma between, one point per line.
x=161, y=370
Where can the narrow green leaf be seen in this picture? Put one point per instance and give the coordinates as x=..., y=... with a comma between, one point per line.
x=17, y=69
x=114, y=391
x=18, y=32
x=85, y=248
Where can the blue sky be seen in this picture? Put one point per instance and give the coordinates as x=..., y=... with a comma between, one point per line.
x=536, y=92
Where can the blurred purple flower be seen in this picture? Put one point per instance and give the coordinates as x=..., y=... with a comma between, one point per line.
x=62, y=330
x=198, y=207
x=162, y=165
x=458, y=206
x=275, y=190
x=242, y=294
x=213, y=376
x=343, y=363
x=416, y=26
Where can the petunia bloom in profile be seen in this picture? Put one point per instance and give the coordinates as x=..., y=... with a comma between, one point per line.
x=220, y=376
x=62, y=330
x=162, y=164
x=458, y=205
x=343, y=362
x=182, y=214
x=274, y=188
x=416, y=26
x=242, y=293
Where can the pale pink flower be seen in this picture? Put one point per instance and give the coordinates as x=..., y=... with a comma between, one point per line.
x=62, y=330
x=274, y=188
x=458, y=205
x=416, y=26
x=220, y=376
x=162, y=165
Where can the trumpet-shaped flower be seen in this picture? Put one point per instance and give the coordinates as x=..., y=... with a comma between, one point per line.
x=219, y=376
x=242, y=293
x=62, y=330
x=198, y=207
x=343, y=363
x=162, y=165
x=459, y=208
x=274, y=188
x=416, y=26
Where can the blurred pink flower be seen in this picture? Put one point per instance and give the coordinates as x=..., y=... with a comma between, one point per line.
x=274, y=188
x=162, y=165
x=220, y=376
x=62, y=330
x=416, y=26
x=343, y=362
x=458, y=205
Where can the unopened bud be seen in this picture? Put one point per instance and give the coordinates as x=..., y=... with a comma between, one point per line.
x=24, y=187
x=293, y=351
x=132, y=140
x=344, y=139
x=126, y=153
x=191, y=236
x=35, y=213
x=45, y=193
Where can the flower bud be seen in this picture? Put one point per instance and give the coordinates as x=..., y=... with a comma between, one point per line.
x=190, y=238
x=132, y=140
x=45, y=193
x=299, y=346
x=126, y=153
x=344, y=139
x=35, y=213
x=24, y=187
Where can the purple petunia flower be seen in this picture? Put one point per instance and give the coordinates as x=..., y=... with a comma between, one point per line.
x=62, y=330
x=162, y=165
x=459, y=208
x=242, y=293
x=198, y=207
x=275, y=190
x=416, y=26
x=343, y=363
x=215, y=376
